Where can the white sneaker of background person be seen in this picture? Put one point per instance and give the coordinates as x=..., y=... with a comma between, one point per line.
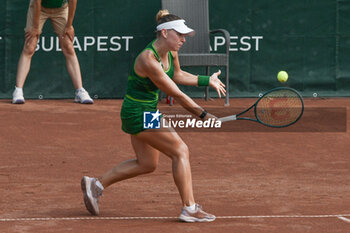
x=82, y=96
x=17, y=96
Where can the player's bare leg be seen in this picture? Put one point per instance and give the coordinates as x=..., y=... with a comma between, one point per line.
x=23, y=68
x=73, y=69
x=147, y=145
x=25, y=61
x=170, y=143
x=72, y=62
x=146, y=161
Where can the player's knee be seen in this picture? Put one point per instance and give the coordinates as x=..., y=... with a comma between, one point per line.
x=182, y=152
x=29, y=49
x=68, y=51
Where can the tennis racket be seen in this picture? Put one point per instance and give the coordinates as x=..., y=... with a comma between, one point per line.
x=278, y=107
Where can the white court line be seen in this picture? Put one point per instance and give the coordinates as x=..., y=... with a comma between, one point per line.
x=340, y=216
x=344, y=219
x=83, y=218
x=290, y=216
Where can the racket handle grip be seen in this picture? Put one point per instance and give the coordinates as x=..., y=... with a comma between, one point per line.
x=228, y=118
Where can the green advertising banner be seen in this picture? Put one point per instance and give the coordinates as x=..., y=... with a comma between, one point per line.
x=308, y=39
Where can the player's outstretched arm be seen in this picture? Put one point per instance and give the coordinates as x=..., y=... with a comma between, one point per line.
x=184, y=78
x=34, y=31
x=69, y=30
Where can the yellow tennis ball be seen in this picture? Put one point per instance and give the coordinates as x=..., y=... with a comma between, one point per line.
x=282, y=76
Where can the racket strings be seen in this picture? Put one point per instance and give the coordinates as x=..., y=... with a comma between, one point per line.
x=279, y=108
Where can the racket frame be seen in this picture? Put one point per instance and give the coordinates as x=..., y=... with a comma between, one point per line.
x=236, y=117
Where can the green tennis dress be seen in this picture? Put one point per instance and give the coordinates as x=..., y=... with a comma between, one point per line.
x=141, y=96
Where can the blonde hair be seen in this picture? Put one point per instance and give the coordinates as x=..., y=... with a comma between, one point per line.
x=164, y=16
x=161, y=14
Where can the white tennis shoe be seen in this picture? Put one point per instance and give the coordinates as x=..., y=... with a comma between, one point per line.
x=92, y=194
x=83, y=97
x=197, y=216
x=17, y=96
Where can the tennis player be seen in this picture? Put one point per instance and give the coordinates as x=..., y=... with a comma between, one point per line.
x=157, y=67
x=61, y=14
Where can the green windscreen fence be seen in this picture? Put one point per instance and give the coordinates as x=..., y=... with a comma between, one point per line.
x=310, y=39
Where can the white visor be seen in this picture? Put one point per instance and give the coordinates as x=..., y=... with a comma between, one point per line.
x=177, y=25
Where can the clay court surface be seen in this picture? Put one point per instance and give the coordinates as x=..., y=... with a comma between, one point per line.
x=253, y=179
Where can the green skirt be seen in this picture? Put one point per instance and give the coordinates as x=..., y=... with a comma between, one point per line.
x=132, y=114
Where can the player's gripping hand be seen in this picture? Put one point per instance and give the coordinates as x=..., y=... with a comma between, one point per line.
x=216, y=83
x=69, y=31
x=208, y=116
x=32, y=33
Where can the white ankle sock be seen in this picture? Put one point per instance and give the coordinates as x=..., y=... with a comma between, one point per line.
x=80, y=89
x=191, y=208
x=18, y=88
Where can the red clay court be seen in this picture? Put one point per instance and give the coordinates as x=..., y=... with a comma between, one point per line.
x=253, y=179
